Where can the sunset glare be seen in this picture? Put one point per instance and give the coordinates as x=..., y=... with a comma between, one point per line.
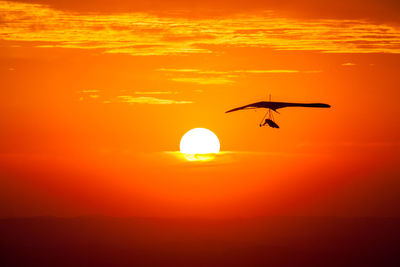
x=199, y=141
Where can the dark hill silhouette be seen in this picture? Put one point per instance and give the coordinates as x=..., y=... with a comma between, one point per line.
x=275, y=241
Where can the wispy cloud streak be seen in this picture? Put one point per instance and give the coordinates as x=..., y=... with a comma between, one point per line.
x=204, y=77
x=156, y=93
x=142, y=34
x=150, y=100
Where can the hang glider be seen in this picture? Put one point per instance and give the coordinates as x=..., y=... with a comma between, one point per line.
x=273, y=106
x=277, y=105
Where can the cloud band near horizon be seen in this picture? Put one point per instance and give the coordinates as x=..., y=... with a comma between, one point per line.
x=143, y=34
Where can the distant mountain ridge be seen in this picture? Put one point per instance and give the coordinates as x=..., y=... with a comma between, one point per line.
x=270, y=241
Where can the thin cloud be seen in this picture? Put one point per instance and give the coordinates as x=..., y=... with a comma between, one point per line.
x=266, y=71
x=348, y=64
x=150, y=100
x=142, y=34
x=156, y=93
x=143, y=98
x=203, y=80
x=232, y=72
x=178, y=70
x=205, y=77
x=227, y=157
x=89, y=91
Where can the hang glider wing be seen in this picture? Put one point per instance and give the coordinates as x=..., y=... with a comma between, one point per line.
x=276, y=105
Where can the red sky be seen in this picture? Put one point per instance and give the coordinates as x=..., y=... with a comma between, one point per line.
x=96, y=94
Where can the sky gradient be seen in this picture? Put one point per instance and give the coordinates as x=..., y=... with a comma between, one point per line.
x=97, y=94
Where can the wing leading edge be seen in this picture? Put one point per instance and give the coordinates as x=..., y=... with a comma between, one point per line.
x=276, y=105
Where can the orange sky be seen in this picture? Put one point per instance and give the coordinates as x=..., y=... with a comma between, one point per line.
x=96, y=94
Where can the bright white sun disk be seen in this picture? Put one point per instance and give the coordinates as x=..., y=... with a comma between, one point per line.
x=199, y=141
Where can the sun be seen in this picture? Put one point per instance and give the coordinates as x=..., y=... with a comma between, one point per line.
x=199, y=141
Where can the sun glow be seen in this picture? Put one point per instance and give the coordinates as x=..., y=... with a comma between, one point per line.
x=199, y=141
